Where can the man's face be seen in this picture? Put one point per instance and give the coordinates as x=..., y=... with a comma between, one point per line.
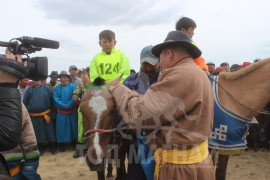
x=164, y=58
x=24, y=81
x=37, y=83
x=226, y=67
x=148, y=68
x=189, y=31
x=107, y=45
x=73, y=72
x=211, y=68
x=64, y=80
x=54, y=79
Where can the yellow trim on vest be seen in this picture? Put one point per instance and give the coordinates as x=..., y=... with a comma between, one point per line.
x=180, y=156
x=15, y=170
x=230, y=152
x=44, y=114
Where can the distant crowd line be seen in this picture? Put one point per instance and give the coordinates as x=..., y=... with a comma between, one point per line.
x=225, y=67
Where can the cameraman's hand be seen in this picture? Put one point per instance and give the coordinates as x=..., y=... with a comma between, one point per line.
x=11, y=56
x=8, y=77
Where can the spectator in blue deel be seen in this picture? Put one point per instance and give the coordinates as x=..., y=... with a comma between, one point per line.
x=66, y=113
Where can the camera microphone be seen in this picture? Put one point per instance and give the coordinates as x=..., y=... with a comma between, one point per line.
x=39, y=42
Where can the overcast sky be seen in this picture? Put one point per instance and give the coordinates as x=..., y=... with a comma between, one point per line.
x=227, y=30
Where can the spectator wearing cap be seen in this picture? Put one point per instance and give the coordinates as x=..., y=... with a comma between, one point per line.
x=211, y=67
x=140, y=82
x=226, y=66
x=66, y=114
x=148, y=73
x=74, y=79
x=54, y=80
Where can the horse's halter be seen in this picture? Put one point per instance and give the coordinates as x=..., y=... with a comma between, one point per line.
x=95, y=87
x=91, y=131
x=261, y=112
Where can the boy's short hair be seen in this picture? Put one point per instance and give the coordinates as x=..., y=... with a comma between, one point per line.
x=185, y=22
x=107, y=34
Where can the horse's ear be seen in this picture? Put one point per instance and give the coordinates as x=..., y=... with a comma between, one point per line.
x=85, y=78
x=115, y=82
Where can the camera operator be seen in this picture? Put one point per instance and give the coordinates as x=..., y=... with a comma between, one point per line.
x=15, y=123
x=10, y=111
x=23, y=159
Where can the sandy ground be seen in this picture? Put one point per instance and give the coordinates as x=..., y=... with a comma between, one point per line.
x=249, y=166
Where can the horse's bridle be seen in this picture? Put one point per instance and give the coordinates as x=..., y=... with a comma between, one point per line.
x=115, y=136
x=91, y=131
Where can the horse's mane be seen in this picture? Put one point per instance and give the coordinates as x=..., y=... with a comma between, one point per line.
x=99, y=81
x=244, y=71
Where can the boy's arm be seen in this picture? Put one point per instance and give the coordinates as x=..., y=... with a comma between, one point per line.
x=93, y=70
x=201, y=63
x=125, y=68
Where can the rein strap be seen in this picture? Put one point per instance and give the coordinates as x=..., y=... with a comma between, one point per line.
x=99, y=87
x=98, y=130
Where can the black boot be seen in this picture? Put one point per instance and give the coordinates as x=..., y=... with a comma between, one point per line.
x=62, y=147
x=109, y=169
x=76, y=153
x=73, y=145
x=41, y=148
x=52, y=147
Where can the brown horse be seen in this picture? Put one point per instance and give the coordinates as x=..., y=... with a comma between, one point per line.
x=99, y=119
x=245, y=93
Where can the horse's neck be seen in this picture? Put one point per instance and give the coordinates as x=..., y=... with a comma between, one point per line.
x=246, y=94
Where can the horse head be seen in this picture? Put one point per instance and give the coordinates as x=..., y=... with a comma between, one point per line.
x=99, y=117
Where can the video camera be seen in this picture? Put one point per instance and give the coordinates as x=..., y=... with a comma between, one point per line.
x=37, y=67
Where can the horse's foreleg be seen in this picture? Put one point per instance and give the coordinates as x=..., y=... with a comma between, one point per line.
x=109, y=170
x=221, y=167
x=121, y=168
x=101, y=175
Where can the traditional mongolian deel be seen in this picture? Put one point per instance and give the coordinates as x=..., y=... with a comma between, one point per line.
x=229, y=130
x=179, y=107
x=66, y=119
x=39, y=103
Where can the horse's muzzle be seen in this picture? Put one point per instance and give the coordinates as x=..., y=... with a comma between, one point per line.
x=95, y=167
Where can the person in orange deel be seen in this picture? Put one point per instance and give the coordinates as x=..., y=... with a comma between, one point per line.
x=187, y=25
